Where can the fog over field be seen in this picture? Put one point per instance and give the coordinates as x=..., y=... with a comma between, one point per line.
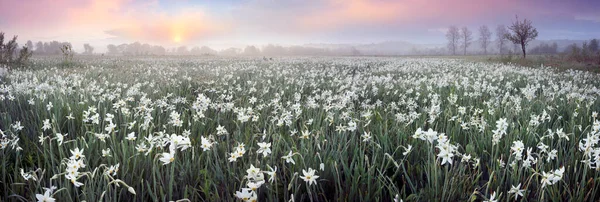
x=312, y=100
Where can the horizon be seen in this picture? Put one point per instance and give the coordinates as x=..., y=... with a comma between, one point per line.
x=239, y=23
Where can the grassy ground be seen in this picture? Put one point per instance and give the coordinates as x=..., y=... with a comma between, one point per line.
x=561, y=62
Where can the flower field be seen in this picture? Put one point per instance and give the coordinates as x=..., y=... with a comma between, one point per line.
x=298, y=129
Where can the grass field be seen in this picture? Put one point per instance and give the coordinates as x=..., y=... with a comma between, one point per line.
x=298, y=129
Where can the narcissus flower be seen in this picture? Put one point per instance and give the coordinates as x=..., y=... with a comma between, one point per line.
x=309, y=176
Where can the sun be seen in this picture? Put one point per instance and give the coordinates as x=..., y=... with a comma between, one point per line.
x=177, y=38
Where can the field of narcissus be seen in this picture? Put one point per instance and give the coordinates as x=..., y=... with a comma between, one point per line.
x=297, y=129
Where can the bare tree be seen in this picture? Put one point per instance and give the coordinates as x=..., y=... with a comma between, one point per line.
x=484, y=37
x=501, y=32
x=523, y=33
x=453, y=36
x=466, y=36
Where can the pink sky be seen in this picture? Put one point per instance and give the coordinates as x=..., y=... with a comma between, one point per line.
x=176, y=22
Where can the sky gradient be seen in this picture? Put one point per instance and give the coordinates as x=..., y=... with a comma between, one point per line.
x=223, y=23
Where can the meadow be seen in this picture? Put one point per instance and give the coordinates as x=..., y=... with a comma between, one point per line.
x=297, y=129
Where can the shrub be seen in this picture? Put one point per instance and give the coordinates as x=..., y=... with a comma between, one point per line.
x=10, y=56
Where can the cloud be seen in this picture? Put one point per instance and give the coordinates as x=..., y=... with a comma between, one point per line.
x=125, y=19
x=594, y=18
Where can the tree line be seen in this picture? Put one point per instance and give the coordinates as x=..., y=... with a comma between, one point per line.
x=137, y=48
x=520, y=33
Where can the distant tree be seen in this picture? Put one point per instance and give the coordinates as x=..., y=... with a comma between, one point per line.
x=229, y=51
x=29, y=45
x=500, y=38
x=274, y=50
x=484, y=37
x=453, y=36
x=545, y=49
x=122, y=49
x=47, y=48
x=88, y=49
x=466, y=36
x=585, y=50
x=146, y=49
x=112, y=49
x=182, y=50
x=205, y=50
x=135, y=48
x=159, y=50
x=39, y=47
x=522, y=33
x=195, y=50
x=251, y=50
x=574, y=52
x=594, y=46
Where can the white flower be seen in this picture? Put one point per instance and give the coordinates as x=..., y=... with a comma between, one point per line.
x=397, y=198
x=492, y=198
x=309, y=176
x=445, y=155
x=517, y=149
x=255, y=185
x=60, y=138
x=366, y=136
x=407, y=150
x=552, y=155
x=106, y=152
x=167, y=157
x=288, y=158
x=221, y=130
x=46, y=125
x=245, y=195
x=272, y=174
x=27, y=176
x=265, y=148
x=351, y=126
x=239, y=152
x=77, y=153
x=112, y=170
x=110, y=127
x=552, y=177
x=46, y=197
x=465, y=158
x=252, y=172
x=131, y=136
x=305, y=134
x=205, y=144
x=419, y=134
x=515, y=190
x=49, y=106
x=430, y=135
x=17, y=126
